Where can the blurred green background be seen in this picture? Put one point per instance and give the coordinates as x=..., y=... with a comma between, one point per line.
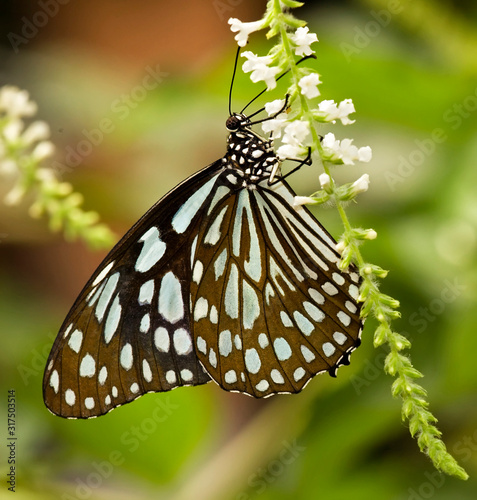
x=411, y=70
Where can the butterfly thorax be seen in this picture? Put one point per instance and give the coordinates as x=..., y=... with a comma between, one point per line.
x=251, y=156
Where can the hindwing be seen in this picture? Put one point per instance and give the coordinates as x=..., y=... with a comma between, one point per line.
x=270, y=308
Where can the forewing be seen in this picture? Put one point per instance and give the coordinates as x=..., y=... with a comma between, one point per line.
x=128, y=332
x=270, y=307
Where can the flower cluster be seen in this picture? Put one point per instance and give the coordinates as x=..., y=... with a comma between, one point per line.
x=23, y=151
x=296, y=131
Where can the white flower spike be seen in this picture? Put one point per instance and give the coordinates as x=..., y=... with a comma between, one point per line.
x=309, y=85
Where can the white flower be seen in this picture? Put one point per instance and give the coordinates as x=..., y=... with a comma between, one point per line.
x=274, y=107
x=344, y=150
x=43, y=150
x=361, y=185
x=296, y=132
x=332, y=112
x=16, y=102
x=365, y=154
x=303, y=40
x=13, y=130
x=275, y=125
x=325, y=181
x=37, y=131
x=303, y=200
x=371, y=234
x=260, y=69
x=340, y=246
x=243, y=29
x=309, y=85
x=289, y=151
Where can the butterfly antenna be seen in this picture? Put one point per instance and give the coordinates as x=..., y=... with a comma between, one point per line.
x=312, y=56
x=232, y=82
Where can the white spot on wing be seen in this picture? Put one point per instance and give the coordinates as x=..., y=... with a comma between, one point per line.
x=298, y=374
x=316, y=296
x=87, y=366
x=277, y=377
x=106, y=296
x=197, y=272
x=231, y=294
x=282, y=349
x=186, y=375
x=112, y=321
x=76, y=340
x=182, y=342
x=263, y=341
x=307, y=354
x=340, y=338
x=286, y=319
x=146, y=292
x=351, y=307
x=344, y=318
x=146, y=370
x=145, y=323
x=230, y=377
x=329, y=288
x=201, y=308
x=305, y=326
x=151, y=252
x=185, y=214
x=219, y=264
x=314, y=312
x=162, y=340
x=70, y=397
x=251, y=306
x=262, y=386
x=55, y=381
x=89, y=403
x=252, y=360
x=171, y=377
x=171, y=306
x=103, y=375
x=329, y=349
x=354, y=291
x=225, y=343
x=201, y=345
x=338, y=279
x=126, y=357
x=103, y=274
x=213, y=234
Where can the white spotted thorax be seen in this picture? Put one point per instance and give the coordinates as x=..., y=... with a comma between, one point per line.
x=223, y=279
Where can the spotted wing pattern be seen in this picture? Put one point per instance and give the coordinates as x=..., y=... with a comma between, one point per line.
x=128, y=332
x=270, y=308
x=222, y=279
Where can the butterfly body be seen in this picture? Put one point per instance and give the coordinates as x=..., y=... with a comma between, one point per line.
x=222, y=279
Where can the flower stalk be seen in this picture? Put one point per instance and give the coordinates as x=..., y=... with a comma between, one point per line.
x=297, y=132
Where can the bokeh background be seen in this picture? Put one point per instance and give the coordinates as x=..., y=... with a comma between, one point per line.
x=411, y=70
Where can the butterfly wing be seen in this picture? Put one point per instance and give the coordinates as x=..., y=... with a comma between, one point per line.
x=128, y=332
x=270, y=308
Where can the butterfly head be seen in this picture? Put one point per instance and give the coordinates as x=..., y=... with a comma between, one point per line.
x=247, y=152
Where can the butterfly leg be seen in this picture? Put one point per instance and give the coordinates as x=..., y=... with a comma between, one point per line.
x=274, y=178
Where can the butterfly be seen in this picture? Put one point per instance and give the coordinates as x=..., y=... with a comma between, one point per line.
x=222, y=279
